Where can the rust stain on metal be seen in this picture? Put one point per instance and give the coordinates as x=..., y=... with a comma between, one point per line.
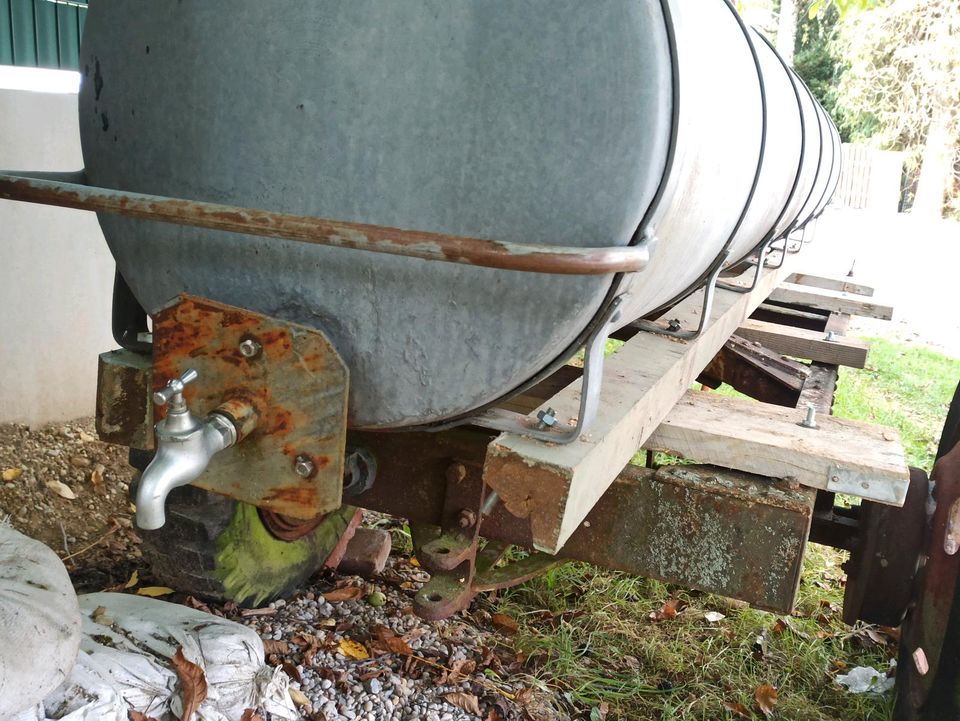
x=290, y=397
x=357, y=236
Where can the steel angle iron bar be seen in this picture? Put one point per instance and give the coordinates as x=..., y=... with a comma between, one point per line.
x=69, y=190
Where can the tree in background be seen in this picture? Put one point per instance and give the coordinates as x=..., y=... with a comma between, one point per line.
x=817, y=59
x=901, y=88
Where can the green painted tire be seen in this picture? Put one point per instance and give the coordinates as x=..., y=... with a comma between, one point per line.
x=216, y=548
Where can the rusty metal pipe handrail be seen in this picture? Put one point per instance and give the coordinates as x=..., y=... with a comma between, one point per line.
x=69, y=190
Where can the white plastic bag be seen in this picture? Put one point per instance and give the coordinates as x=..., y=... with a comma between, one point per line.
x=124, y=663
x=39, y=621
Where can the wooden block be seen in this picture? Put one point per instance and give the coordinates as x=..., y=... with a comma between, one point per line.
x=809, y=344
x=832, y=300
x=557, y=485
x=844, y=285
x=840, y=455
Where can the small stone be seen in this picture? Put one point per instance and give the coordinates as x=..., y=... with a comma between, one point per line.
x=374, y=686
x=376, y=599
x=80, y=462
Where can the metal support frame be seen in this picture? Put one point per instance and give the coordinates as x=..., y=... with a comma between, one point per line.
x=674, y=330
x=544, y=428
x=758, y=269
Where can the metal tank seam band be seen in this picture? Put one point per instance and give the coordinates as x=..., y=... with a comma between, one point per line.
x=724, y=251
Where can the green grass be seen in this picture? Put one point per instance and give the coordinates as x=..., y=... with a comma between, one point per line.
x=907, y=388
x=586, y=632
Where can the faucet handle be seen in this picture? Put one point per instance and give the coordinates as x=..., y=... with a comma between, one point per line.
x=172, y=393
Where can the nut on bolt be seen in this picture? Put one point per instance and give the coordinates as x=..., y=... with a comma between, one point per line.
x=548, y=418
x=249, y=348
x=303, y=466
x=467, y=518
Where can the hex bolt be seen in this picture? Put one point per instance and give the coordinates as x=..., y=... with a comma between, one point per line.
x=674, y=325
x=303, y=466
x=249, y=348
x=467, y=518
x=810, y=420
x=831, y=336
x=548, y=418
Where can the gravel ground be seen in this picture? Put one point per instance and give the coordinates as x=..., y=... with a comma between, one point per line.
x=438, y=671
x=352, y=647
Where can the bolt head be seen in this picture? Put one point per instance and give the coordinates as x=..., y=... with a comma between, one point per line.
x=249, y=348
x=303, y=466
x=548, y=417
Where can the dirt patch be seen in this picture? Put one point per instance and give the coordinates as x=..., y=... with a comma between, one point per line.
x=92, y=530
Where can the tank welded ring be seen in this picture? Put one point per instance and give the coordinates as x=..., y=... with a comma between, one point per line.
x=818, y=208
x=638, y=237
x=803, y=148
x=724, y=251
x=798, y=222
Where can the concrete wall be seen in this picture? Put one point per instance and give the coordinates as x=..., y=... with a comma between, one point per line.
x=56, y=274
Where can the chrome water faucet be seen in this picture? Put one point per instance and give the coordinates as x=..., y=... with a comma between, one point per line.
x=185, y=446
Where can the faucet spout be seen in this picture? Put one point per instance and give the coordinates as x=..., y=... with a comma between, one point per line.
x=183, y=453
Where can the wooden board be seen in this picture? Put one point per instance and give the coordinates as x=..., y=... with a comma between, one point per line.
x=832, y=300
x=839, y=455
x=844, y=285
x=557, y=485
x=803, y=343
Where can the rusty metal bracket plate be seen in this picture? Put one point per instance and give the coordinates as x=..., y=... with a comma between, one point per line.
x=296, y=381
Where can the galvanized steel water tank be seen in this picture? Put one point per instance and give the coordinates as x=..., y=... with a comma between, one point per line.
x=538, y=121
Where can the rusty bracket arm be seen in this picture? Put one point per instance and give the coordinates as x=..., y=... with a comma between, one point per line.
x=69, y=190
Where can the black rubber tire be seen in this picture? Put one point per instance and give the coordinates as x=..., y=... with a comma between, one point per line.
x=216, y=548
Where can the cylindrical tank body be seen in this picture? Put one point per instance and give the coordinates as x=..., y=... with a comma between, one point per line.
x=535, y=121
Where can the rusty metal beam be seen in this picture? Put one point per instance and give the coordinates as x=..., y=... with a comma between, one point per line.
x=757, y=372
x=69, y=190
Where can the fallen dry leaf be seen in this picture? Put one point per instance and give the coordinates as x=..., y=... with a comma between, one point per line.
x=250, y=715
x=414, y=562
x=313, y=644
x=193, y=684
x=299, y=698
x=347, y=593
x=154, y=591
x=133, y=580
x=270, y=646
x=96, y=475
x=138, y=716
x=12, y=474
x=390, y=642
x=766, y=697
x=466, y=701
x=353, y=649
x=737, y=708
x=668, y=611
x=503, y=623
x=61, y=489
x=100, y=616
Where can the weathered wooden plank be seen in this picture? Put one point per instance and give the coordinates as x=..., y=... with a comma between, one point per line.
x=839, y=455
x=843, y=285
x=557, y=485
x=831, y=300
x=809, y=344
